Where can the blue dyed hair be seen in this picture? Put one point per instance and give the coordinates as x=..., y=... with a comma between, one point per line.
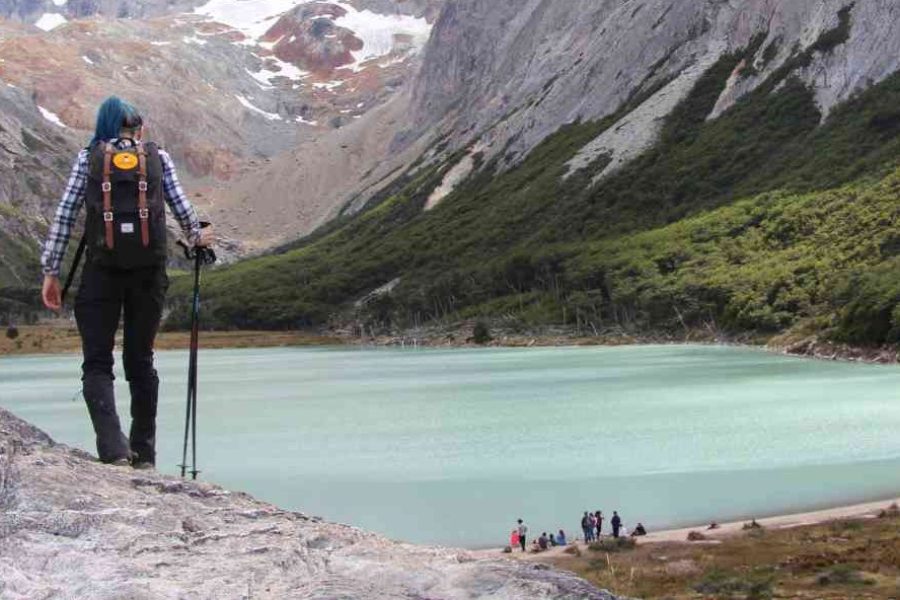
x=113, y=116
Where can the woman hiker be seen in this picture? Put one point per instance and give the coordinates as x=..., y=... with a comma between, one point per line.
x=125, y=184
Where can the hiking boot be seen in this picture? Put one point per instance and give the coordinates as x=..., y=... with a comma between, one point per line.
x=121, y=462
x=143, y=466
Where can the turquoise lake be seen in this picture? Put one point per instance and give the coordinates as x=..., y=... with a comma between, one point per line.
x=451, y=446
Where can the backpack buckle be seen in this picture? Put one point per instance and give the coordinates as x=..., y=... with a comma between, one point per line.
x=142, y=186
x=108, y=217
x=144, y=213
x=106, y=186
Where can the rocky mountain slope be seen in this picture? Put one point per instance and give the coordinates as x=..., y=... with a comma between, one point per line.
x=569, y=148
x=112, y=533
x=507, y=75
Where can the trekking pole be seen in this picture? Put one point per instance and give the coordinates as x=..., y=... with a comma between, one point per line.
x=77, y=261
x=200, y=256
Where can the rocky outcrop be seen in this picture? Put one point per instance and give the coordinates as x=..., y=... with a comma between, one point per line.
x=29, y=11
x=510, y=74
x=307, y=37
x=72, y=528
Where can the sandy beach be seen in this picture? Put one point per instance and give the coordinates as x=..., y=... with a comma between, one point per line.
x=867, y=510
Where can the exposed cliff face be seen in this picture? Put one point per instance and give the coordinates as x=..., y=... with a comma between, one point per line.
x=109, y=533
x=510, y=74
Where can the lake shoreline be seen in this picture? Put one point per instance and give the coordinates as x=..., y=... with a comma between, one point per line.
x=679, y=535
x=61, y=337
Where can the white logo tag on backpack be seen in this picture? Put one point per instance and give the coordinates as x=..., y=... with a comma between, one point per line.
x=127, y=228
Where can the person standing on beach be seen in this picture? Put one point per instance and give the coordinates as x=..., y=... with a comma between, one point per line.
x=616, y=523
x=522, y=530
x=599, y=516
x=586, y=527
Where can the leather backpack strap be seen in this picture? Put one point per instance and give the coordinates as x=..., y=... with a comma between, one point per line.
x=143, y=211
x=107, y=195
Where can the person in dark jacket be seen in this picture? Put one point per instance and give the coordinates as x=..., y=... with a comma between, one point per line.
x=125, y=183
x=616, y=523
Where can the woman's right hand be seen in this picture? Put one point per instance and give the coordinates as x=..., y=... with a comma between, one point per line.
x=51, y=292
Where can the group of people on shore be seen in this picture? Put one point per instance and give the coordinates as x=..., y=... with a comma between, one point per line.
x=519, y=538
x=591, y=526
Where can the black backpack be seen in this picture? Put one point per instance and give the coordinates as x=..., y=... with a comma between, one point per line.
x=126, y=212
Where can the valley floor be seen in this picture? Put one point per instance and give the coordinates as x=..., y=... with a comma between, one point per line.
x=63, y=338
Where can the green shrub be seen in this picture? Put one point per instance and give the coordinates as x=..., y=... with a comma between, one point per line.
x=481, y=334
x=843, y=575
x=757, y=585
x=610, y=544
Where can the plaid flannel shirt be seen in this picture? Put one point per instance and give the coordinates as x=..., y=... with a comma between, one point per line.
x=73, y=199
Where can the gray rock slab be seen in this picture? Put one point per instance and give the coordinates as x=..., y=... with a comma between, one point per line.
x=71, y=528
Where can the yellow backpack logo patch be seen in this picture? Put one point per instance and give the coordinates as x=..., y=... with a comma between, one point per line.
x=125, y=160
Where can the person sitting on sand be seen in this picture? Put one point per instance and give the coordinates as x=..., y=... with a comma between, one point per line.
x=561, y=538
x=543, y=541
x=552, y=540
x=713, y=525
x=639, y=530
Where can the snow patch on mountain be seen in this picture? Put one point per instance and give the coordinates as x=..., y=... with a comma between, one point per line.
x=247, y=104
x=50, y=21
x=251, y=17
x=377, y=32
x=51, y=116
x=266, y=74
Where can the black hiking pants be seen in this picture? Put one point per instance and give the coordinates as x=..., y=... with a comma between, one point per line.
x=104, y=296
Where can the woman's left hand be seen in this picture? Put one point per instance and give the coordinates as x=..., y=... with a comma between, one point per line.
x=207, y=236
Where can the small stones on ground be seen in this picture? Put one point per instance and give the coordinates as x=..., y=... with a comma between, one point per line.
x=191, y=525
